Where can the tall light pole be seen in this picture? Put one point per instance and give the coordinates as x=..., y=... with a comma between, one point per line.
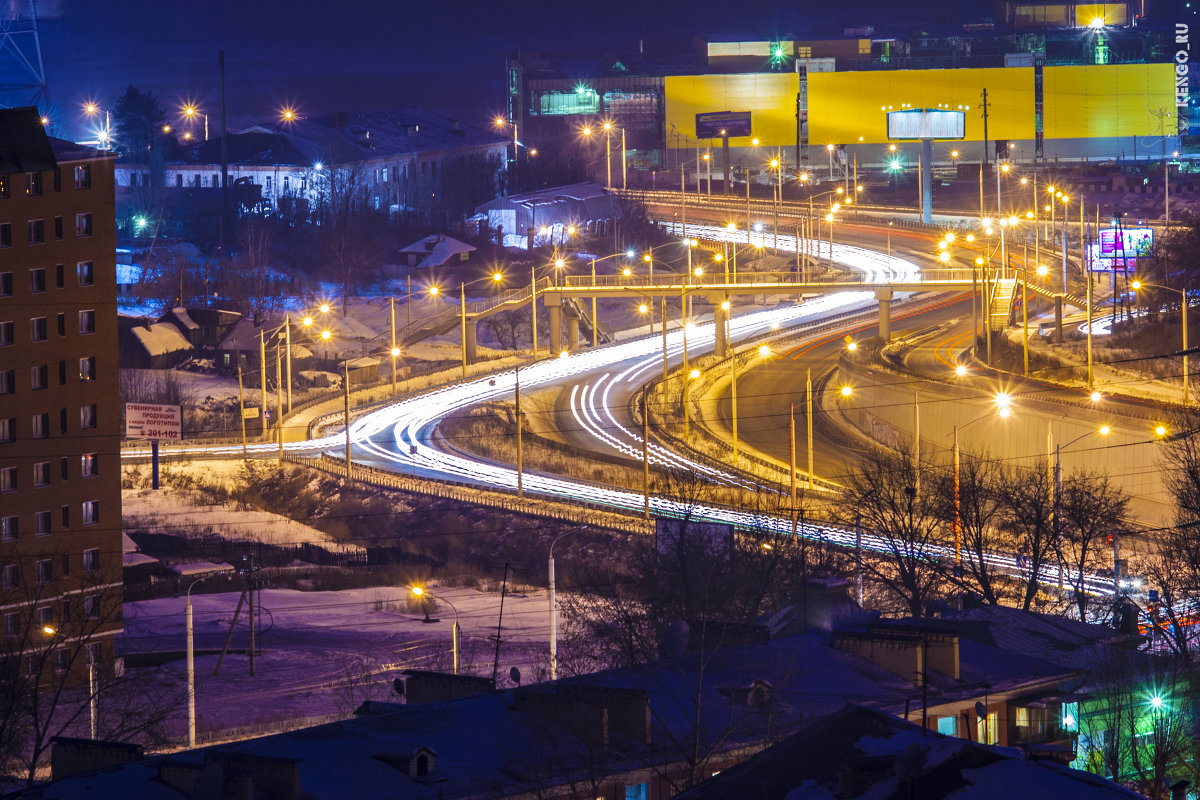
x=454, y=632
x=608, y=151
x=191, y=664
x=554, y=606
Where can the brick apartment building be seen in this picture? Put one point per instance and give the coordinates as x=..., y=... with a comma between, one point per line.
x=60, y=495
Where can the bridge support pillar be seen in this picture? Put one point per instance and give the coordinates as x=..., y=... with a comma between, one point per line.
x=720, y=323
x=884, y=296
x=572, y=333
x=469, y=342
x=555, y=310
x=1058, y=315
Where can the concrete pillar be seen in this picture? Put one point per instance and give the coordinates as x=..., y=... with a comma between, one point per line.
x=469, y=344
x=927, y=181
x=884, y=296
x=1058, y=314
x=572, y=333
x=720, y=317
x=555, y=309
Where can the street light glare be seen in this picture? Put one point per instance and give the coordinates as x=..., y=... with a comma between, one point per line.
x=558, y=262
x=418, y=591
x=433, y=290
x=1104, y=430
x=643, y=308
x=960, y=370
x=326, y=334
x=695, y=373
x=847, y=391
x=307, y=321
x=763, y=350
x=724, y=305
x=1161, y=430
x=1096, y=396
x=627, y=272
x=325, y=308
x=496, y=276
x=49, y=630
x=395, y=352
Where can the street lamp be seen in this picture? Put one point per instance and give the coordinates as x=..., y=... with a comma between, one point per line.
x=103, y=134
x=1183, y=311
x=454, y=632
x=554, y=605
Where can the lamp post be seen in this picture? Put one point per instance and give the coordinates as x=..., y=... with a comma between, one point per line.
x=105, y=133
x=554, y=606
x=1137, y=285
x=608, y=152
x=1003, y=411
x=191, y=664
x=454, y=632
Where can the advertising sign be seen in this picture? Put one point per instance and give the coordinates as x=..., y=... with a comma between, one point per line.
x=1099, y=263
x=926, y=123
x=718, y=124
x=153, y=421
x=1138, y=242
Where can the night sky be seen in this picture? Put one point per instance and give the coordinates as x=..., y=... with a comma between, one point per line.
x=361, y=55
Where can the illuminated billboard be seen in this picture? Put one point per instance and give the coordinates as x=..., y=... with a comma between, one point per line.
x=1137, y=242
x=926, y=123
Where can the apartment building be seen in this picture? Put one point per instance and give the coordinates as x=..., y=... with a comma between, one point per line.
x=60, y=491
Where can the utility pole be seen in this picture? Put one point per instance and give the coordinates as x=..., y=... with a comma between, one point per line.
x=499, y=624
x=520, y=452
x=985, y=131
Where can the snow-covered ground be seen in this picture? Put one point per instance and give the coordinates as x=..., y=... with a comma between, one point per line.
x=323, y=653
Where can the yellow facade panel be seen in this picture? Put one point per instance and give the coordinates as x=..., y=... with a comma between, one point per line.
x=842, y=106
x=769, y=97
x=1109, y=100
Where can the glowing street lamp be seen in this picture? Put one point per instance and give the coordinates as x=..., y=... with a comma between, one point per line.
x=454, y=632
x=1138, y=285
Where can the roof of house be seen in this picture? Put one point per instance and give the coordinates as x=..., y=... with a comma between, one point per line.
x=862, y=753
x=160, y=338
x=437, y=249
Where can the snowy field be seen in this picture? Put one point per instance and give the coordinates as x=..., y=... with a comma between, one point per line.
x=323, y=653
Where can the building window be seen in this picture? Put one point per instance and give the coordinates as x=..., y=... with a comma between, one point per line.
x=91, y=559
x=638, y=791
x=8, y=429
x=41, y=523
x=10, y=576
x=178, y=180
x=87, y=321
x=286, y=183
x=8, y=381
x=86, y=272
x=91, y=607
x=58, y=229
x=947, y=726
x=91, y=515
x=41, y=473
x=5, y=234
x=45, y=571
x=8, y=479
x=12, y=625
x=63, y=461
x=60, y=279
x=37, y=329
x=93, y=652
x=62, y=660
x=62, y=420
x=62, y=373
x=89, y=466
x=83, y=224
x=87, y=368
x=38, y=377
x=37, y=280
x=33, y=183
x=66, y=523
x=57, y=179
x=62, y=324
x=83, y=176
x=6, y=284
x=6, y=334
x=41, y=426
x=8, y=529
x=37, y=231
x=87, y=417
x=985, y=729
x=4, y=186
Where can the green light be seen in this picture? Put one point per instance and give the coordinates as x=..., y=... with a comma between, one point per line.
x=140, y=222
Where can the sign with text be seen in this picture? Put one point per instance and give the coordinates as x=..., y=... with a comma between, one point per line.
x=153, y=421
x=719, y=124
x=1103, y=263
x=1137, y=242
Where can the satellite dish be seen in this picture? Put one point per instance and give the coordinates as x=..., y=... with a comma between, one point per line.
x=980, y=709
x=515, y=675
x=398, y=686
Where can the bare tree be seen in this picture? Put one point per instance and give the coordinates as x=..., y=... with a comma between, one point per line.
x=1090, y=509
x=1029, y=520
x=978, y=512
x=883, y=492
x=52, y=642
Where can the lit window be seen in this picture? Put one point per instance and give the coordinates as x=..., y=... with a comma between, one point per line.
x=85, y=271
x=87, y=416
x=8, y=529
x=91, y=515
x=91, y=559
x=83, y=224
x=83, y=176
x=89, y=466
x=33, y=183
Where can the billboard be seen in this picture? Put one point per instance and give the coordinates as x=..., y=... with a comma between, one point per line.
x=153, y=421
x=1137, y=242
x=720, y=124
x=1099, y=263
x=1108, y=100
x=926, y=123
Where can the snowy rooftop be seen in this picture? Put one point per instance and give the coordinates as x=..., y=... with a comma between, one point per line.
x=161, y=338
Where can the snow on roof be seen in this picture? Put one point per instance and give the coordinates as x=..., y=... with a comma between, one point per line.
x=182, y=316
x=364, y=362
x=137, y=559
x=161, y=338
x=438, y=249
x=200, y=568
